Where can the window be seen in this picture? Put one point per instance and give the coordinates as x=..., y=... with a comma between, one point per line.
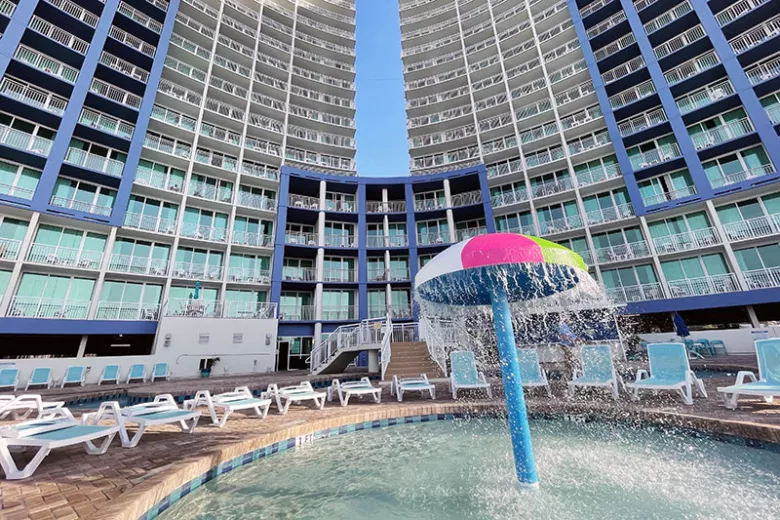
x=340, y=234
x=400, y=302
x=298, y=269
x=129, y=301
x=253, y=232
x=399, y=268
x=424, y=259
x=180, y=296
x=83, y=196
x=653, y=152
x=558, y=216
x=433, y=232
x=671, y=186
x=629, y=276
x=49, y=296
x=296, y=306
x=377, y=303
x=210, y=188
x=199, y=264
x=550, y=183
x=722, y=127
x=756, y=258
x=469, y=228
x=159, y=175
x=340, y=202
x=204, y=224
x=429, y=200
x=338, y=305
x=139, y=256
x=151, y=215
x=249, y=268
x=738, y=167
x=339, y=269
x=56, y=245
x=17, y=180
x=244, y=303
x=301, y=234
x=597, y=170
x=522, y=223
x=5, y=277
x=696, y=267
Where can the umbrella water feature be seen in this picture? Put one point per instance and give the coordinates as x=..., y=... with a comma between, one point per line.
x=499, y=269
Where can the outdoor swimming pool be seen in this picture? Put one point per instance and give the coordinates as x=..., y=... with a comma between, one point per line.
x=465, y=470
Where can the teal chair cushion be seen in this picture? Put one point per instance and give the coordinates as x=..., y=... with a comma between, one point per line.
x=160, y=369
x=530, y=370
x=768, y=353
x=74, y=374
x=464, y=368
x=8, y=376
x=111, y=372
x=40, y=376
x=668, y=362
x=597, y=363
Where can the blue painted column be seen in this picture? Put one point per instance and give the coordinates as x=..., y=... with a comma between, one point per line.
x=739, y=79
x=279, y=230
x=684, y=140
x=606, y=109
x=362, y=254
x=14, y=31
x=525, y=464
x=411, y=233
x=490, y=223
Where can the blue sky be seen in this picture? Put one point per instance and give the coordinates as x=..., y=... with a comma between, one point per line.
x=381, y=117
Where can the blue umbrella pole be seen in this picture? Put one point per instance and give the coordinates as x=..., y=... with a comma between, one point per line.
x=525, y=464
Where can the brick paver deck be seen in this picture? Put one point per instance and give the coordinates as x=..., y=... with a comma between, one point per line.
x=124, y=483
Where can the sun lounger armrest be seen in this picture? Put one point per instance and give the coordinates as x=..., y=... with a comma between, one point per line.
x=745, y=374
x=642, y=374
x=107, y=410
x=482, y=377
x=165, y=398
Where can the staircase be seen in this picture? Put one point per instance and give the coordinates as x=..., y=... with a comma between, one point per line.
x=333, y=354
x=411, y=359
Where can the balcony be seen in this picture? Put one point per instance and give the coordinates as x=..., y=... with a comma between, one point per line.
x=126, y=68
x=24, y=141
x=722, y=133
x=217, y=193
x=58, y=35
x=189, y=308
x=105, y=123
x=301, y=239
x=340, y=275
x=340, y=241
x=94, y=162
x=463, y=234
x=140, y=18
x=391, y=206
x=33, y=96
x=9, y=249
x=623, y=70
x=774, y=114
x=38, y=307
x=763, y=71
x=132, y=41
x=756, y=36
x=304, y=201
x=542, y=157
x=686, y=241
x=246, y=275
x=662, y=198
x=663, y=153
x=636, y=293
x=138, y=265
x=247, y=238
x=668, y=17
x=155, y=179
x=560, y=225
x=150, y=223
x=299, y=274
x=614, y=47
x=607, y=24
x=691, y=68
x=77, y=205
x=379, y=242
x=581, y=117
x=260, y=202
x=545, y=189
x=346, y=313
x=429, y=204
x=763, y=278
x=631, y=95
x=704, y=285
x=46, y=64
x=341, y=206
x=623, y=252
x=117, y=95
x=203, y=232
x=744, y=175
x=216, y=159
x=398, y=312
x=702, y=98
x=127, y=311
x=508, y=198
x=64, y=256
x=432, y=239
x=588, y=142
x=737, y=10
x=599, y=174
x=296, y=312
x=642, y=122
x=690, y=36
x=604, y=215
x=752, y=228
x=261, y=171
x=466, y=199
x=7, y=8
x=192, y=271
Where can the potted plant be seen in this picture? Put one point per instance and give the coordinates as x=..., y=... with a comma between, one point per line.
x=206, y=365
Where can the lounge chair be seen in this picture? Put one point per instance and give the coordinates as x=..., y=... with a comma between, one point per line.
x=109, y=374
x=74, y=376
x=768, y=383
x=239, y=399
x=669, y=370
x=40, y=376
x=464, y=374
x=57, y=431
x=412, y=384
x=531, y=373
x=137, y=372
x=598, y=370
x=160, y=371
x=20, y=407
x=349, y=388
x=9, y=378
x=287, y=395
x=163, y=410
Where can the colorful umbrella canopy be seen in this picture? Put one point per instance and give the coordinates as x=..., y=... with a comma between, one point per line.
x=527, y=267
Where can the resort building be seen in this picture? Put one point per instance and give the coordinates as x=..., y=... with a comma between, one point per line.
x=171, y=163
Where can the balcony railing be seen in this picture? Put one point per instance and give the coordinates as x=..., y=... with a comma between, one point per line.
x=24, y=141
x=763, y=278
x=64, y=256
x=691, y=68
x=33, y=96
x=548, y=188
x=155, y=179
x=127, y=311
x=77, y=205
x=192, y=271
x=296, y=312
x=623, y=252
x=204, y=190
x=59, y=35
x=668, y=17
x=303, y=201
x=301, y=239
x=94, y=162
x=35, y=307
x=688, y=37
x=756, y=36
x=115, y=94
x=203, y=232
x=106, y=123
x=509, y=197
x=342, y=206
x=603, y=215
x=340, y=275
x=138, y=265
x=763, y=71
x=642, y=122
x=429, y=239
x=744, y=175
x=752, y=228
x=704, y=285
x=349, y=312
x=737, y=10
x=150, y=223
x=299, y=274
x=559, y=225
x=189, y=308
x=9, y=249
x=702, y=98
x=247, y=238
x=346, y=241
x=636, y=293
x=661, y=198
x=633, y=94
x=247, y=275
x=429, y=204
x=463, y=234
x=466, y=199
x=375, y=241
x=391, y=206
x=686, y=241
x=663, y=153
x=598, y=174
x=46, y=64
x=255, y=201
x=722, y=133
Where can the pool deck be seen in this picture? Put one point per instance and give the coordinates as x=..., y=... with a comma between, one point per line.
x=124, y=483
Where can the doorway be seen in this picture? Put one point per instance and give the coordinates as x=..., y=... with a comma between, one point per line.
x=283, y=355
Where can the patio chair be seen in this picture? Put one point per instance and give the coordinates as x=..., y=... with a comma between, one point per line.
x=412, y=384
x=109, y=374
x=768, y=383
x=464, y=374
x=669, y=370
x=137, y=372
x=163, y=410
x=531, y=373
x=20, y=407
x=299, y=393
x=9, y=378
x=160, y=371
x=40, y=376
x=74, y=375
x=239, y=399
x=349, y=388
x=58, y=431
x=598, y=370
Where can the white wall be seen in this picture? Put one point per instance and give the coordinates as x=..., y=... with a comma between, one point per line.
x=738, y=341
x=184, y=353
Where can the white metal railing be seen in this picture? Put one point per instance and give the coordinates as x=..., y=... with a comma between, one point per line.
x=150, y=223
x=623, y=252
x=623, y=70
x=340, y=205
x=115, y=94
x=763, y=278
x=668, y=17
x=192, y=271
x=7, y=8
x=642, y=122
x=138, y=264
x=157, y=179
x=435, y=238
x=9, y=249
x=614, y=47
x=636, y=293
x=691, y=67
x=763, y=71
x=774, y=114
x=38, y=307
x=508, y=198
x=132, y=41
x=737, y=10
x=94, y=162
x=756, y=36
x=380, y=241
x=437, y=347
x=190, y=308
x=106, y=123
x=429, y=204
x=463, y=234
x=548, y=188
x=673, y=45
x=296, y=312
x=722, y=133
x=203, y=232
x=649, y=158
x=588, y=142
x=744, y=175
x=598, y=174
x=603, y=215
x=347, y=241
x=125, y=67
x=33, y=96
x=24, y=141
x=466, y=199
x=391, y=206
x=248, y=238
x=46, y=64
x=299, y=274
x=249, y=275
x=304, y=201
x=581, y=117
x=633, y=94
x=127, y=311
x=77, y=205
x=686, y=241
x=339, y=313
x=302, y=239
x=702, y=286
x=340, y=275
x=56, y=255
x=607, y=24
x=60, y=36
x=542, y=157
x=690, y=102
x=660, y=198
x=559, y=225
x=752, y=228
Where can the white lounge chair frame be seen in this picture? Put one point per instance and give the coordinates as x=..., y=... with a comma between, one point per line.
x=80, y=382
x=130, y=376
x=287, y=395
x=612, y=384
x=61, y=418
x=412, y=384
x=48, y=384
x=104, y=379
x=13, y=385
x=360, y=388
x=684, y=388
x=143, y=416
x=21, y=407
x=166, y=376
x=482, y=385
x=731, y=398
x=239, y=399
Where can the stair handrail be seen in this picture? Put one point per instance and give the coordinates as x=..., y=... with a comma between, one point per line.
x=385, y=351
x=437, y=346
x=343, y=337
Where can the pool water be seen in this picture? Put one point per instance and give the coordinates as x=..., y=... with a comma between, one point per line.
x=464, y=470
